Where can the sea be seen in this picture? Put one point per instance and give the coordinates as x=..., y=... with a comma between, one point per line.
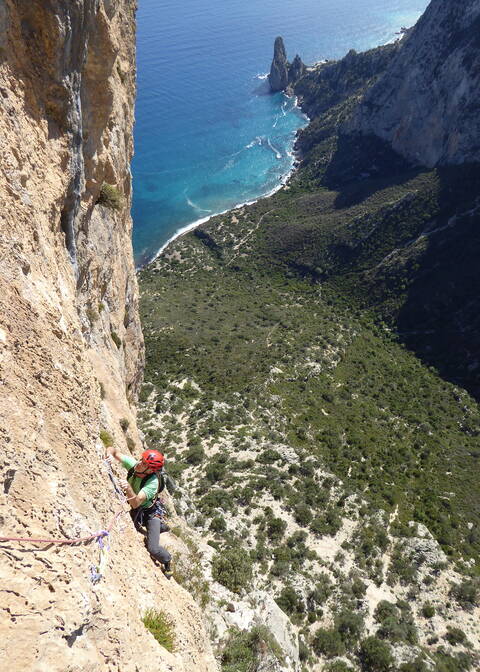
x=208, y=134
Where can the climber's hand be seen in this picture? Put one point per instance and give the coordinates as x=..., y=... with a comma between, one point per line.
x=109, y=460
x=123, y=483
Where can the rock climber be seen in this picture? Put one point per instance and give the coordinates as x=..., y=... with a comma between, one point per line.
x=142, y=486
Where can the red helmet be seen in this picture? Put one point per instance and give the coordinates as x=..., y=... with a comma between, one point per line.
x=154, y=459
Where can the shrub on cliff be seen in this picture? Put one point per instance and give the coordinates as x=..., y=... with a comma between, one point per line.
x=110, y=197
x=106, y=438
x=244, y=650
x=375, y=655
x=195, y=455
x=160, y=627
x=233, y=569
x=455, y=636
x=349, y=626
x=467, y=594
x=338, y=666
x=428, y=610
x=328, y=643
x=290, y=601
x=396, y=622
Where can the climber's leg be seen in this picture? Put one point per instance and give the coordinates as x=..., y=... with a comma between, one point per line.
x=153, y=541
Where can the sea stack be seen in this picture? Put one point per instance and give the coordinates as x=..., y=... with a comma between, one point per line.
x=278, y=77
x=282, y=73
x=296, y=70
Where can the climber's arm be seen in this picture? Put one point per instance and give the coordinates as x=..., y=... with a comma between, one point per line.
x=112, y=451
x=134, y=500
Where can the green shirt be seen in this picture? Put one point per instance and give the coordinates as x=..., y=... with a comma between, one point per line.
x=151, y=484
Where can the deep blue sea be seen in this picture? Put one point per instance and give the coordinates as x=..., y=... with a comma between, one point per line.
x=208, y=134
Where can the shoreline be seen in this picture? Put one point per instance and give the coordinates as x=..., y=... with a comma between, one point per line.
x=397, y=37
x=198, y=222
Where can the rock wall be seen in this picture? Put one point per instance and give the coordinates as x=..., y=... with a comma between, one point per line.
x=426, y=104
x=71, y=347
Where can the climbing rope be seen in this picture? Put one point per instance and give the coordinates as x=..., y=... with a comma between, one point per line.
x=75, y=540
x=97, y=572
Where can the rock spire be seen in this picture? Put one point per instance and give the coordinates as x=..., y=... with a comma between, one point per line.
x=278, y=76
x=282, y=73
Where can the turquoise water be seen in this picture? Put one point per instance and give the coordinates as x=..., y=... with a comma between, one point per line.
x=208, y=134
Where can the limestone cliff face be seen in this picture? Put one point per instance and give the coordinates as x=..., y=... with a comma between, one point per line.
x=71, y=348
x=427, y=102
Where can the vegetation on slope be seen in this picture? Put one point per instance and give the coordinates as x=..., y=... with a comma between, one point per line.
x=306, y=384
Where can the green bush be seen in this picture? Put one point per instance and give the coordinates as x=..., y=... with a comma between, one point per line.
x=195, y=455
x=302, y=514
x=384, y=610
x=275, y=529
x=401, y=568
x=467, y=593
x=417, y=665
x=269, y=456
x=358, y=588
x=444, y=662
x=160, y=627
x=329, y=523
x=233, y=569
x=218, y=524
x=145, y=393
x=215, y=471
x=110, y=196
x=337, y=666
x=215, y=499
x=116, y=338
x=455, y=636
x=290, y=601
x=106, y=438
x=350, y=627
x=375, y=655
x=428, y=610
x=396, y=622
x=328, y=643
x=243, y=650
x=322, y=591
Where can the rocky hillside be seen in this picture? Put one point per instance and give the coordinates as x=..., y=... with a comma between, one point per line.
x=71, y=348
x=312, y=362
x=426, y=104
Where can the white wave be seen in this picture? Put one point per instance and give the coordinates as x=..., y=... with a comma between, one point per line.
x=195, y=206
x=257, y=141
x=274, y=149
x=198, y=222
x=282, y=182
x=262, y=76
